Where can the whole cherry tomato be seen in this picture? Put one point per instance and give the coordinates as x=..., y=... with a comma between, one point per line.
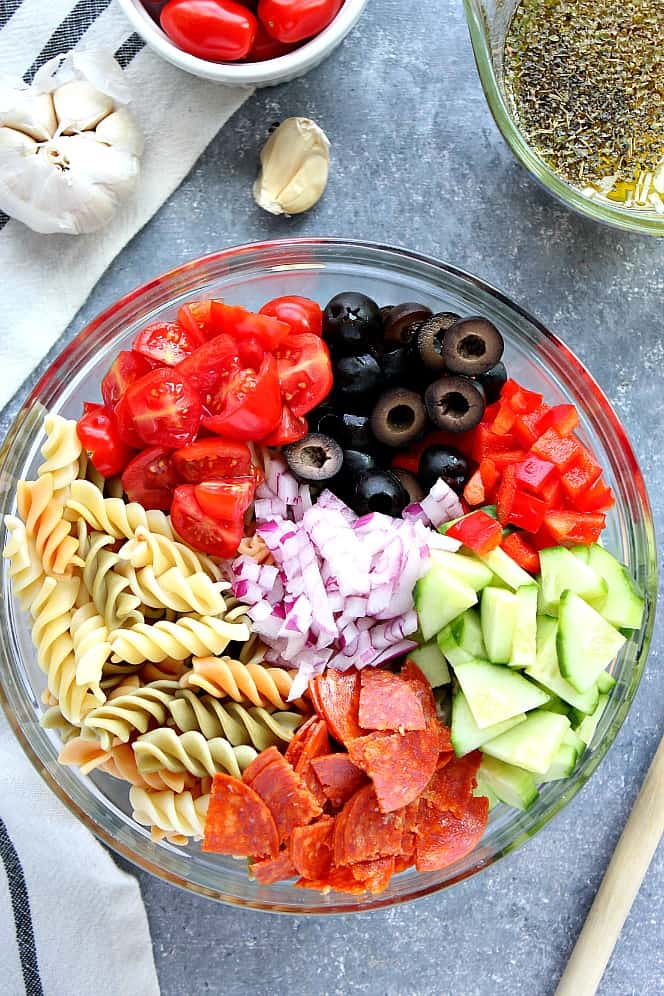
x=99, y=436
x=266, y=47
x=301, y=314
x=215, y=30
x=150, y=478
x=292, y=21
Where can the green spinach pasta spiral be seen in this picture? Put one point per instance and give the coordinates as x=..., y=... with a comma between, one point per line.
x=164, y=749
x=237, y=723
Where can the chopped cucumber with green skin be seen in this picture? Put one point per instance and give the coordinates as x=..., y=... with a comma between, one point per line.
x=586, y=642
x=556, y=704
x=533, y=744
x=562, y=765
x=546, y=671
x=494, y=693
x=582, y=552
x=511, y=785
x=624, y=604
x=524, y=644
x=506, y=569
x=605, y=682
x=450, y=649
x=466, y=569
x=484, y=789
x=439, y=598
x=467, y=631
x=562, y=571
x=498, y=611
x=466, y=734
x=572, y=739
x=586, y=730
x=432, y=664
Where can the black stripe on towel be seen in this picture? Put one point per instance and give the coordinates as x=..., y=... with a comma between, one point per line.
x=18, y=891
x=7, y=8
x=69, y=32
x=129, y=49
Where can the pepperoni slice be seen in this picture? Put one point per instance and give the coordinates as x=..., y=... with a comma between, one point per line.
x=451, y=786
x=339, y=777
x=288, y=799
x=411, y=673
x=265, y=757
x=444, y=839
x=311, y=848
x=375, y=875
x=238, y=821
x=406, y=860
x=311, y=740
x=339, y=698
x=363, y=833
x=339, y=880
x=387, y=702
x=399, y=764
x=272, y=870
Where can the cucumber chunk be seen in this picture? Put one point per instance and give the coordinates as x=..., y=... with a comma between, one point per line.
x=562, y=765
x=624, y=605
x=586, y=642
x=495, y=693
x=450, y=649
x=439, y=598
x=546, y=671
x=582, y=552
x=524, y=644
x=483, y=788
x=511, y=785
x=556, y=704
x=432, y=664
x=506, y=569
x=469, y=570
x=533, y=744
x=466, y=734
x=605, y=683
x=562, y=571
x=572, y=739
x=586, y=730
x=467, y=631
x=498, y=609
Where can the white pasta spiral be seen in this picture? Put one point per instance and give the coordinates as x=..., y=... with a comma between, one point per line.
x=61, y=452
x=91, y=647
x=191, y=752
x=25, y=566
x=170, y=812
x=151, y=549
x=42, y=513
x=177, y=591
x=237, y=723
x=109, y=588
x=113, y=515
x=130, y=713
x=197, y=635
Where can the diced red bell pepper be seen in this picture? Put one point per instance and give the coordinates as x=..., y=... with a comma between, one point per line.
x=535, y=475
x=490, y=413
x=580, y=474
x=506, y=493
x=474, y=491
x=528, y=427
x=478, y=531
x=486, y=443
x=563, y=418
x=509, y=457
x=572, y=528
x=552, y=493
x=490, y=474
x=558, y=449
x=521, y=400
x=526, y=556
x=504, y=420
x=527, y=512
x=597, y=498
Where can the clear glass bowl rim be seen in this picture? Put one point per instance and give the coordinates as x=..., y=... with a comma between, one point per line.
x=172, y=282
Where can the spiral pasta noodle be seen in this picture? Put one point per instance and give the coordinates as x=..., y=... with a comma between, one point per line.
x=91, y=647
x=109, y=588
x=256, y=548
x=165, y=749
x=233, y=721
x=190, y=635
x=25, y=566
x=223, y=677
x=152, y=549
x=121, y=764
x=171, y=813
x=44, y=521
x=84, y=754
x=113, y=515
x=62, y=453
x=53, y=719
x=131, y=713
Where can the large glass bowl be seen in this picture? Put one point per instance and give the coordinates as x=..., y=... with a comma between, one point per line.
x=319, y=268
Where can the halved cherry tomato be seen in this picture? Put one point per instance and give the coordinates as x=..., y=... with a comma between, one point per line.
x=301, y=314
x=249, y=406
x=150, y=478
x=240, y=323
x=295, y=20
x=212, y=459
x=228, y=500
x=220, y=539
x=195, y=316
x=305, y=372
x=290, y=429
x=162, y=409
x=99, y=436
x=167, y=343
x=215, y=30
x=127, y=367
x=266, y=47
x=213, y=363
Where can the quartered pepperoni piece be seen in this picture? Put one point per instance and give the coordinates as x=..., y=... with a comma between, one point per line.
x=311, y=740
x=339, y=698
x=375, y=875
x=286, y=796
x=399, y=764
x=338, y=777
x=272, y=870
x=238, y=821
x=339, y=880
x=363, y=833
x=265, y=757
x=311, y=848
x=443, y=839
x=387, y=702
x=452, y=785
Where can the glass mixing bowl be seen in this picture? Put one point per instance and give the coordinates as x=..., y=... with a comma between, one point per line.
x=488, y=23
x=318, y=268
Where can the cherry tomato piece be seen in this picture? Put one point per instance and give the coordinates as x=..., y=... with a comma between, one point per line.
x=150, y=478
x=249, y=407
x=162, y=409
x=201, y=531
x=212, y=459
x=195, y=317
x=301, y=314
x=292, y=21
x=291, y=428
x=240, y=323
x=305, y=372
x=213, y=363
x=99, y=436
x=167, y=343
x=226, y=501
x=127, y=367
x=215, y=30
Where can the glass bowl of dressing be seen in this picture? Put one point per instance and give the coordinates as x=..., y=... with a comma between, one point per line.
x=490, y=23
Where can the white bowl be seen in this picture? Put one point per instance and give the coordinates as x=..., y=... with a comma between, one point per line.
x=281, y=70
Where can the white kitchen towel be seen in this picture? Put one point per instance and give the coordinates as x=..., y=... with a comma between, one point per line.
x=46, y=278
x=71, y=922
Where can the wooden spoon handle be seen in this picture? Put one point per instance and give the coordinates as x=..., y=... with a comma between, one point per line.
x=619, y=887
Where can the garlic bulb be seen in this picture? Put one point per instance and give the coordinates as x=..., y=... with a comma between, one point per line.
x=69, y=148
x=295, y=163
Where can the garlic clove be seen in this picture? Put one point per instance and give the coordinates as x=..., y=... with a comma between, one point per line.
x=79, y=106
x=121, y=130
x=10, y=138
x=295, y=164
x=31, y=113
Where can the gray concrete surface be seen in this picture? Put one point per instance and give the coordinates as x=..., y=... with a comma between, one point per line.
x=419, y=162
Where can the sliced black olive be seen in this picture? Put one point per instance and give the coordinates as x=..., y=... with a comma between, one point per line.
x=399, y=417
x=352, y=323
x=357, y=381
x=472, y=346
x=430, y=339
x=395, y=366
x=355, y=464
x=356, y=432
x=446, y=463
x=455, y=404
x=493, y=382
x=314, y=458
x=326, y=420
x=403, y=322
x=379, y=491
x=410, y=483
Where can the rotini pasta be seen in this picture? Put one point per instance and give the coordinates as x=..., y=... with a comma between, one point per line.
x=223, y=677
x=196, y=635
x=177, y=591
x=53, y=719
x=84, y=754
x=164, y=749
x=42, y=513
x=171, y=813
x=109, y=588
x=25, y=566
x=62, y=454
x=256, y=548
x=121, y=763
x=113, y=515
x=238, y=724
x=91, y=647
x=151, y=549
x=131, y=713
